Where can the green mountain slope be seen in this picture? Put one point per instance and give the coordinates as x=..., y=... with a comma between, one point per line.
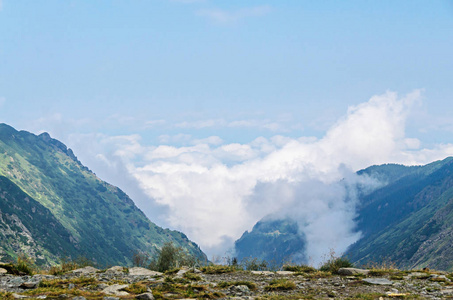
x=102, y=222
x=407, y=221
x=273, y=240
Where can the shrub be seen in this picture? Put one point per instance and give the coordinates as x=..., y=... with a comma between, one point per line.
x=218, y=269
x=25, y=265
x=171, y=257
x=254, y=264
x=334, y=264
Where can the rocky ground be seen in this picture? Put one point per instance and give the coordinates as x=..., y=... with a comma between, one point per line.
x=224, y=283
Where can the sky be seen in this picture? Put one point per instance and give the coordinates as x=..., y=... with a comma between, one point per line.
x=214, y=114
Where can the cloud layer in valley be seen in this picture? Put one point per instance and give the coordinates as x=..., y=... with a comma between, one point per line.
x=213, y=191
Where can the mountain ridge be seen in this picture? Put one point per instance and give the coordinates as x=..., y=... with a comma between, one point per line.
x=103, y=222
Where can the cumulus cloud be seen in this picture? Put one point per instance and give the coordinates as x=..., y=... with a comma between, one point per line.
x=228, y=17
x=214, y=191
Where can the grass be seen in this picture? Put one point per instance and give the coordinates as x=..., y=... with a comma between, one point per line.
x=218, y=269
x=299, y=268
x=280, y=285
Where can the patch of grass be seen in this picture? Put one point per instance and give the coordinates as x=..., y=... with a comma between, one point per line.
x=25, y=265
x=251, y=285
x=191, y=276
x=280, y=285
x=299, y=268
x=6, y=295
x=137, y=288
x=315, y=275
x=218, y=269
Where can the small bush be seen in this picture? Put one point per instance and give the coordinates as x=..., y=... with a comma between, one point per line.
x=191, y=276
x=25, y=265
x=254, y=264
x=334, y=264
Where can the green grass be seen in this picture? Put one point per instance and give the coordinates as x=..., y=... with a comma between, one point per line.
x=280, y=285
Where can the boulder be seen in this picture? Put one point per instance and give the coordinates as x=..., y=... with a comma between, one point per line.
x=86, y=270
x=378, y=281
x=138, y=271
x=115, y=289
x=352, y=271
x=285, y=273
x=145, y=296
x=262, y=272
x=115, y=270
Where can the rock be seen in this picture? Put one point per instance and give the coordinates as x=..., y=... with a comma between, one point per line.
x=137, y=271
x=115, y=270
x=378, y=281
x=86, y=270
x=79, y=298
x=352, y=271
x=182, y=271
x=29, y=285
x=145, y=296
x=17, y=296
x=239, y=290
x=115, y=289
x=262, y=273
x=285, y=273
x=111, y=298
x=3, y=271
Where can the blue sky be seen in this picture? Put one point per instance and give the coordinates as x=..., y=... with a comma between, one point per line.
x=145, y=89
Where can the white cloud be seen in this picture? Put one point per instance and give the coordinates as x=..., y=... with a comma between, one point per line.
x=213, y=191
x=229, y=17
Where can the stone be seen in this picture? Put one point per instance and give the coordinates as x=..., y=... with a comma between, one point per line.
x=17, y=296
x=378, y=281
x=79, y=298
x=86, y=270
x=138, y=271
x=285, y=273
x=352, y=271
x=145, y=296
x=115, y=269
x=111, y=298
x=115, y=289
x=3, y=271
x=29, y=285
x=262, y=273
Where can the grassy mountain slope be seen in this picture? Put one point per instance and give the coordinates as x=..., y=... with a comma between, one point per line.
x=273, y=240
x=103, y=222
x=408, y=221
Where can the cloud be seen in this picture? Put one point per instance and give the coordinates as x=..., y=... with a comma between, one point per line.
x=228, y=17
x=215, y=191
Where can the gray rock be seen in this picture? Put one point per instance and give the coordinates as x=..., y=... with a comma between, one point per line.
x=115, y=270
x=29, y=285
x=378, y=281
x=111, y=298
x=262, y=273
x=137, y=271
x=285, y=273
x=86, y=270
x=115, y=289
x=352, y=271
x=145, y=296
x=79, y=298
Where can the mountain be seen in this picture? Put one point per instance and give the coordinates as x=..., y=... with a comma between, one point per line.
x=407, y=221
x=272, y=240
x=53, y=207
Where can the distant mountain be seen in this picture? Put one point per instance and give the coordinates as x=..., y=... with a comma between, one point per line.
x=408, y=221
x=51, y=206
x=273, y=240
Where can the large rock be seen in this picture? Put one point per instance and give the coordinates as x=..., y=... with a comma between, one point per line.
x=86, y=270
x=378, y=281
x=262, y=273
x=352, y=271
x=145, y=296
x=138, y=271
x=115, y=289
x=115, y=270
